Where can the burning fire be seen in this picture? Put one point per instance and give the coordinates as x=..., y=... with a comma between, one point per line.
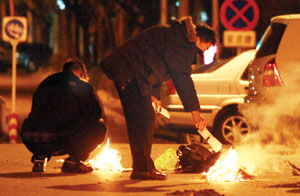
x=227, y=169
x=106, y=159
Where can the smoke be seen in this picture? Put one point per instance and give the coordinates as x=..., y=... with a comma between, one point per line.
x=276, y=129
x=262, y=160
x=276, y=120
x=111, y=105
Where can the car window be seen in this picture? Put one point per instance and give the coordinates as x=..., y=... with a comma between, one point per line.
x=212, y=67
x=270, y=40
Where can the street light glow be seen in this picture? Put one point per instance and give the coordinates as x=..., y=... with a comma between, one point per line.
x=203, y=16
x=61, y=5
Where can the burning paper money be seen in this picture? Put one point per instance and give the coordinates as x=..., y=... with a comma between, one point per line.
x=106, y=159
x=227, y=169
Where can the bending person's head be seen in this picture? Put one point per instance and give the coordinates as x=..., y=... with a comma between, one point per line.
x=205, y=37
x=77, y=67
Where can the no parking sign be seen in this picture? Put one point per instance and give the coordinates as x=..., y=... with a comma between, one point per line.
x=239, y=14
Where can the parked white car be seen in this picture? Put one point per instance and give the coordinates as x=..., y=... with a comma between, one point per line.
x=221, y=88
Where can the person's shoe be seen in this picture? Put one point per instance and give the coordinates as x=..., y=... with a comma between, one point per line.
x=154, y=175
x=39, y=165
x=75, y=167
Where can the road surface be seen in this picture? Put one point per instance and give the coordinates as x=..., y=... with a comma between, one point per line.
x=16, y=178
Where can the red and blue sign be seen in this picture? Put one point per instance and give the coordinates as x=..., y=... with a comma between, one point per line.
x=239, y=14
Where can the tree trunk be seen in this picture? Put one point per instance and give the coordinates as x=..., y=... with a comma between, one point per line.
x=3, y=12
x=64, y=35
x=119, y=31
x=164, y=12
x=183, y=8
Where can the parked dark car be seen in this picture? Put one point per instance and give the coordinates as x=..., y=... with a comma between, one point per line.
x=30, y=56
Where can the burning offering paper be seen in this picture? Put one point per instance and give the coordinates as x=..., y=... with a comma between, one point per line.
x=106, y=159
x=227, y=169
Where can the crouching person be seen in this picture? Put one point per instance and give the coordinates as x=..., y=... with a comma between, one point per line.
x=65, y=118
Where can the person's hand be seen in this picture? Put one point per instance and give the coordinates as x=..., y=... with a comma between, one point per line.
x=156, y=104
x=199, y=120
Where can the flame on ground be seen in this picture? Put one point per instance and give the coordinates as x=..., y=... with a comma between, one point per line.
x=106, y=159
x=226, y=168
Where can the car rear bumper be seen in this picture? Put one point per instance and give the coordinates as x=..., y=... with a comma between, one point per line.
x=181, y=118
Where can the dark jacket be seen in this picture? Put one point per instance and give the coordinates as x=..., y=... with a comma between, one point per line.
x=154, y=56
x=61, y=100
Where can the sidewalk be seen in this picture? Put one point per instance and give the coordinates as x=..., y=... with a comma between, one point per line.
x=16, y=179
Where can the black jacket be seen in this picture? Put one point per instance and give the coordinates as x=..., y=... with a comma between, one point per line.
x=62, y=99
x=154, y=56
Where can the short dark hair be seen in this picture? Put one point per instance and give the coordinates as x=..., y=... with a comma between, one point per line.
x=206, y=33
x=73, y=64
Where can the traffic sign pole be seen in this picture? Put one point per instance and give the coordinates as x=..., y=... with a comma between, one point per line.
x=215, y=24
x=13, y=117
x=14, y=30
x=12, y=7
x=14, y=75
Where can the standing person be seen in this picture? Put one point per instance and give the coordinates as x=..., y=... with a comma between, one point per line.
x=65, y=118
x=140, y=66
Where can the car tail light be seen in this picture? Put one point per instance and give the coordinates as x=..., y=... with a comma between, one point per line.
x=271, y=75
x=171, y=87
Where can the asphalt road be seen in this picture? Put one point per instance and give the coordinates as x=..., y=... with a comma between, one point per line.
x=273, y=176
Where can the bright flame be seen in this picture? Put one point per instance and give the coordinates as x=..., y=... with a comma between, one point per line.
x=226, y=168
x=106, y=160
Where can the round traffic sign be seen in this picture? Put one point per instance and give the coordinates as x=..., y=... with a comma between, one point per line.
x=239, y=14
x=14, y=29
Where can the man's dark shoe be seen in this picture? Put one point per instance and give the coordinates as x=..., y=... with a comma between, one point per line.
x=75, y=167
x=154, y=175
x=39, y=165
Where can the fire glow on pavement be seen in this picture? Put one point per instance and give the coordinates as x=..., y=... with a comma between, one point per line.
x=106, y=159
x=234, y=165
x=227, y=169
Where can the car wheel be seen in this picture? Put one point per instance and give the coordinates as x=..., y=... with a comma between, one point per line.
x=231, y=127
